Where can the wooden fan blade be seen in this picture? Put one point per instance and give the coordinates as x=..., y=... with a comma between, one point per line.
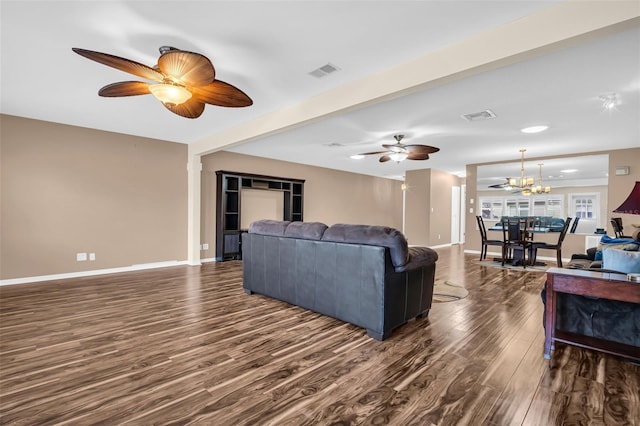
x=188, y=68
x=121, y=64
x=221, y=94
x=373, y=153
x=125, y=88
x=425, y=149
x=417, y=156
x=193, y=108
x=384, y=158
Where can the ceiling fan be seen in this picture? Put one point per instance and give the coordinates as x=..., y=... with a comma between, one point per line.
x=504, y=185
x=399, y=152
x=183, y=81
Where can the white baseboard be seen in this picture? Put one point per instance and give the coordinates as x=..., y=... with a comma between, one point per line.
x=207, y=260
x=441, y=246
x=131, y=268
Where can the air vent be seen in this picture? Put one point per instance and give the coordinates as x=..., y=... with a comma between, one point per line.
x=324, y=70
x=477, y=116
x=334, y=145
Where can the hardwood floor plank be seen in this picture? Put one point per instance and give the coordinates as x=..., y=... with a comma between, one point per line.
x=185, y=345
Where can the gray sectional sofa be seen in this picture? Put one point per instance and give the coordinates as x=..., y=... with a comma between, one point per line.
x=365, y=275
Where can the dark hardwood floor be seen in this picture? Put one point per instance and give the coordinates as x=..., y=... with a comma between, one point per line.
x=185, y=345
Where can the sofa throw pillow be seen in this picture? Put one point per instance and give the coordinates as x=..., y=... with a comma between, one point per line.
x=606, y=242
x=618, y=243
x=627, y=262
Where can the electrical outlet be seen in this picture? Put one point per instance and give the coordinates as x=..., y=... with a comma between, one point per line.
x=438, y=236
x=205, y=246
x=92, y=256
x=81, y=257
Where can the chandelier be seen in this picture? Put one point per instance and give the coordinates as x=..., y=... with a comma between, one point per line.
x=524, y=183
x=540, y=189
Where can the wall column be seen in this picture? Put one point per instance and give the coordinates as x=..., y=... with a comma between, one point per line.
x=194, y=169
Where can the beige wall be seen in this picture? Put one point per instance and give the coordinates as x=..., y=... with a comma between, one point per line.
x=619, y=188
x=418, y=206
x=428, y=206
x=330, y=196
x=68, y=189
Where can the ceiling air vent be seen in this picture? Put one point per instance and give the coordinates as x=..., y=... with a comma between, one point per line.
x=324, y=70
x=477, y=116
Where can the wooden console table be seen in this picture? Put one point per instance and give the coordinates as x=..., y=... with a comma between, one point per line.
x=594, y=284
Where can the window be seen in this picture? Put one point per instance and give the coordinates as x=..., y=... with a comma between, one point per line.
x=517, y=206
x=495, y=207
x=491, y=208
x=584, y=208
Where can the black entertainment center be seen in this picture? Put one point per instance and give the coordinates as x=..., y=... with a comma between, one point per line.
x=229, y=187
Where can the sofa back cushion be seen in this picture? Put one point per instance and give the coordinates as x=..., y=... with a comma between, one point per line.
x=274, y=228
x=373, y=236
x=627, y=262
x=305, y=230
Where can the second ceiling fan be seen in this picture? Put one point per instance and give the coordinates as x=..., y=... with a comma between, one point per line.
x=399, y=152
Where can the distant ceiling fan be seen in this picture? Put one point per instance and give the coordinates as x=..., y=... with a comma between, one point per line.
x=183, y=81
x=504, y=185
x=399, y=152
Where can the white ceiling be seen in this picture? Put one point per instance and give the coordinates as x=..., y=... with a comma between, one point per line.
x=267, y=49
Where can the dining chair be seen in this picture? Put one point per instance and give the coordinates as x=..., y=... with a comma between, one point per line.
x=616, y=223
x=574, y=226
x=557, y=246
x=518, y=238
x=487, y=242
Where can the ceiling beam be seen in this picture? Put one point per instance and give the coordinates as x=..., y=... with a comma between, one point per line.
x=557, y=27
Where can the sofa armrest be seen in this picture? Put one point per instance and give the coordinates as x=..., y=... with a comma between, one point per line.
x=418, y=257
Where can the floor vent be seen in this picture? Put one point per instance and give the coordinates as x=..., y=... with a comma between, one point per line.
x=477, y=116
x=324, y=70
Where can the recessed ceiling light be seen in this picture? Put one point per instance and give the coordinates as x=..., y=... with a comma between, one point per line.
x=534, y=129
x=357, y=156
x=569, y=171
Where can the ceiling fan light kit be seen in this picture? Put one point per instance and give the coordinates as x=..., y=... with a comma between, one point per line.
x=169, y=93
x=398, y=156
x=183, y=81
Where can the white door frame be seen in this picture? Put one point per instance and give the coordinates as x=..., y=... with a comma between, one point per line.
x=455, y=215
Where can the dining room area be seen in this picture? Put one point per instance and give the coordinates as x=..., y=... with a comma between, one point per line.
x=537, y=213
x=520, y=238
